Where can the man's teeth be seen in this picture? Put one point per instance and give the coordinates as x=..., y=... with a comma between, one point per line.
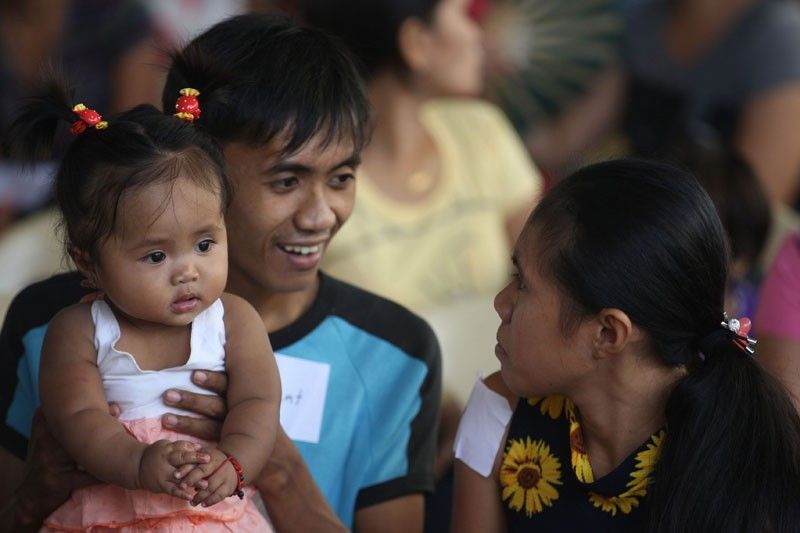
x=302, y=250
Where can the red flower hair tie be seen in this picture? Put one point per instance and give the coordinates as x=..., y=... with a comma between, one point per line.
x=187, y=106
x=86, y=118
x=740, y=327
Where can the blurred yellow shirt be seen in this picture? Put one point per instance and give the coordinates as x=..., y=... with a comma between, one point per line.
x=454, y=243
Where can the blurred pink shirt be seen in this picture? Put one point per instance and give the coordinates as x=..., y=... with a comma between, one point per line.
x=779, y=304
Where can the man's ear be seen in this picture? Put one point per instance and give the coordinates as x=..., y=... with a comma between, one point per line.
x=414, y=44
x=614, y=332
x=85, y=265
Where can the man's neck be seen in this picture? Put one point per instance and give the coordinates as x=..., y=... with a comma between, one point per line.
x=277, y=309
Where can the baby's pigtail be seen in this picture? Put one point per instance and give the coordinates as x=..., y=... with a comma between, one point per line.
x=32, y=133
x=195, y=74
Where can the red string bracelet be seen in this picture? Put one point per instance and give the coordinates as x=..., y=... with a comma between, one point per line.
x=238, y=491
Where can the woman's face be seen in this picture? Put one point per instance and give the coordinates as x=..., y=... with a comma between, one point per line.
x=537, y=358
x=455, y=66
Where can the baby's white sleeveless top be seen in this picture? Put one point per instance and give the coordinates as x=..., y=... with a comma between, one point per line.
x=139, y=392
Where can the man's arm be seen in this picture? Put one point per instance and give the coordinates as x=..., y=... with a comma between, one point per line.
x=34, y=489
x=30, y=490
x=400, y=515
x=292, y=498
x=769, y=139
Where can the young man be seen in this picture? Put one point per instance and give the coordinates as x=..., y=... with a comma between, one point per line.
x=360, y=375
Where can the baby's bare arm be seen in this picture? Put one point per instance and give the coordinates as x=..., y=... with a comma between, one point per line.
x=254, y=388
x=74, y=404
x=251, y=425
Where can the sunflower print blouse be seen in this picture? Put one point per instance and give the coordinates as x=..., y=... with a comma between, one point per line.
x=547, y=483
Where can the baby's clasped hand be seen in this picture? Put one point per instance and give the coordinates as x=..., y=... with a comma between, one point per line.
x=159, y=462
x=215, y=480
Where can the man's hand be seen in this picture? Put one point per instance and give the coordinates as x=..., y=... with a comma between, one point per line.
x=211, y=406
x=294, y=501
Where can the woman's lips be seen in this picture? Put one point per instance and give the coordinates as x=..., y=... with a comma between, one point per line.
x=499, y=352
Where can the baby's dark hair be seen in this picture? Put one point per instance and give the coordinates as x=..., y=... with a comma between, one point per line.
x=138, y=148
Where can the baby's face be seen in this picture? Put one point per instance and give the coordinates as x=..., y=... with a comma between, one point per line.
x=168, y=258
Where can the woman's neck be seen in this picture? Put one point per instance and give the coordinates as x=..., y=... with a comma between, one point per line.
x=622, y=407
x=401, y=147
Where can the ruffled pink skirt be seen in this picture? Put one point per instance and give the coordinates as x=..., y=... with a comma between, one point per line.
x=110, y=508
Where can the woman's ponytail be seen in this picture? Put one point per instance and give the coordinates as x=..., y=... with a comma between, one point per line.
x=730, y=461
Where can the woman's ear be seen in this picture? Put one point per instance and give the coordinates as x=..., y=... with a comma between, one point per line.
x=85, y=265
x=614, y=332
x=414, y=44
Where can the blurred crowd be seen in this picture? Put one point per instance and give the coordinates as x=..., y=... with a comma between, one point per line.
x=474, y=128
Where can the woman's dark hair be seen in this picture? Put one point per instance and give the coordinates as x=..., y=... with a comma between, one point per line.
x=369, y=27
x=138, y=148
x=643, y=237
x=262, y=77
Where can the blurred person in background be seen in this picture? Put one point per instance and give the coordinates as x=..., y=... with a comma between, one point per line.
x=703, y=71
x=445, y=180
x=110, y=49
x=778, y=318
x=744, y=210
x=444, y=185
x=107, y=47
x=543, y=56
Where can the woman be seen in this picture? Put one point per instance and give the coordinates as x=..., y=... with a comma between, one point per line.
x=778, y=317
x=636, y=406
x=445, y=183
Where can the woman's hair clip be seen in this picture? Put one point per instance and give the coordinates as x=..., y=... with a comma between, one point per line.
x=740, y=328
x=187, y=105
x=86, y=118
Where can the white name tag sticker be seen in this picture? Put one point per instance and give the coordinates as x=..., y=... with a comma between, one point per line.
x=304, y=385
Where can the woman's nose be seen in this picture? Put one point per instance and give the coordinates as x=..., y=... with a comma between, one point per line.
x=502, y=303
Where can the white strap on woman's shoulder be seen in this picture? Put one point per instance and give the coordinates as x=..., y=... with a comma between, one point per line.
x=481, y=430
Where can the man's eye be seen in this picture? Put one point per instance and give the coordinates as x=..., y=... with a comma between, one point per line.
x=204, y=245
x=518, y=280
x=155, y=257
x=342, y=179
x=285, y=183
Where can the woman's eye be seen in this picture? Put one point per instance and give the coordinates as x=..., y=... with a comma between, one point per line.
x=518, y=280
x=155, y=257
x=204, y=245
